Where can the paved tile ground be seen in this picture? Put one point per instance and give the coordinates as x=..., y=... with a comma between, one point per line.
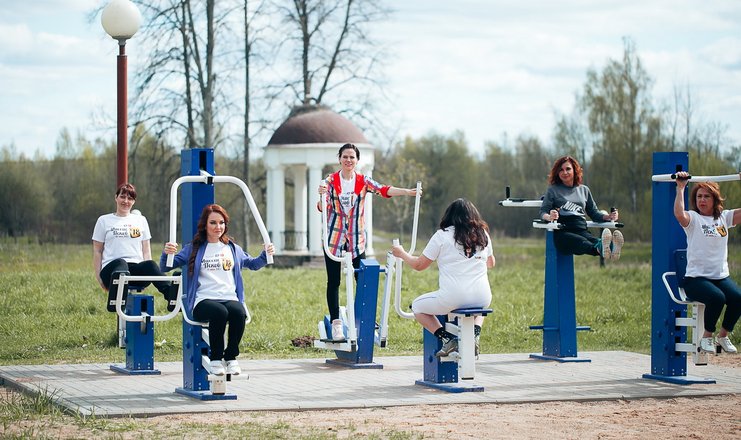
x=293, y=384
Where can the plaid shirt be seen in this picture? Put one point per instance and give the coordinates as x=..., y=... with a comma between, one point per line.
x=347, y=230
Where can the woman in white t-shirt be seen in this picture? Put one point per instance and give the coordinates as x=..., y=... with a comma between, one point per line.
x=215, y=292
x=707, y=279
x=463, y=250
x=121, y=244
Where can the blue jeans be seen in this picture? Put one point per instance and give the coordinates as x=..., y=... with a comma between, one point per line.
x=715, y=294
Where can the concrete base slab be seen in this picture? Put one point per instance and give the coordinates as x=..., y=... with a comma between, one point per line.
x=304, y=384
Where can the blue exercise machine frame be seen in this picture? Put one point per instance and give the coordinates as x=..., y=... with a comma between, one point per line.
x=667, y=236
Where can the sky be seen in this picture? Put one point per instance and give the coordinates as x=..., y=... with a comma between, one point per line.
x=493, y=69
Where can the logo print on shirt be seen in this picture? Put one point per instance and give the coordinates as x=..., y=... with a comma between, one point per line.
x=226, y=263
x=714, y=230
x=135, y=232
x=347, y=200
x=573, y=207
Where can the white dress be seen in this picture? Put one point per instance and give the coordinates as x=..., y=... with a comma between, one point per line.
x=463, y=281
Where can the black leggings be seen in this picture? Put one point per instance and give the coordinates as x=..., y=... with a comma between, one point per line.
x=715, y=294
x=144, y=268
x=575, y=242
x=217, y=314
x=334, y=269
x=575, y=238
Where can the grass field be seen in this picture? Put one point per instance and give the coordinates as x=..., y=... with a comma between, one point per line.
x=52, y=311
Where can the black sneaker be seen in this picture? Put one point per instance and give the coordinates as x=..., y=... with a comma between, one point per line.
x=113, y=291
x=171, y=296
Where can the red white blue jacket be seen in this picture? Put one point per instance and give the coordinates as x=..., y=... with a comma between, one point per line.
x=348, y=229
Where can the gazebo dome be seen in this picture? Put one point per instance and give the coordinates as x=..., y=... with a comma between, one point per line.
x=316, y=125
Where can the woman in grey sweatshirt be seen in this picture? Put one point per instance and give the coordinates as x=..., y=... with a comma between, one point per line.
x=569, y=202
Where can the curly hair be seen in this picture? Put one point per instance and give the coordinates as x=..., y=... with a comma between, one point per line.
x=201, y=236
x=470, y=228
x=553, y=177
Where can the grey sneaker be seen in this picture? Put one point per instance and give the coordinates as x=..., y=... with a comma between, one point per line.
x=448, y=347
x=617, y=244
x=606, y=242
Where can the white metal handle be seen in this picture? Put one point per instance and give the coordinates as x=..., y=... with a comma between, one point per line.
x=413, y=245
x=125, y=279
x=325, y=233
x=672, y=178
x=204, y=178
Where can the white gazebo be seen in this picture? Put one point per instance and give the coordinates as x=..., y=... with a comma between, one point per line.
x=300, y=148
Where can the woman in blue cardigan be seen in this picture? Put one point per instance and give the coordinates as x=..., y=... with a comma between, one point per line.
x=215, y=292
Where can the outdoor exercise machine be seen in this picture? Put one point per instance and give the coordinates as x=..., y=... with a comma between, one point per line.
x=359, y=315
x=669, y=321
x=139, y=319
x=197, y=170
x=559, y=310
x=439, y=373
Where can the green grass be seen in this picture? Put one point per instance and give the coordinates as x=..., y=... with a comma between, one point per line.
x=52, y=310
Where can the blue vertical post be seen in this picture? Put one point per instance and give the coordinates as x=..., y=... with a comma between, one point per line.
x=194, y=197
x=667, y=236
x=366, y=302
x=139, y=338
x=559, y=307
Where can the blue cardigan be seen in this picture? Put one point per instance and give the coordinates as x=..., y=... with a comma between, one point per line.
x=242, y=260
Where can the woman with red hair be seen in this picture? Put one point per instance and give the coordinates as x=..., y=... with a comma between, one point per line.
x=569, y=201
x=707, y=279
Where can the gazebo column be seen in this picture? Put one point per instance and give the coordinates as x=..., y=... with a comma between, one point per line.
x=276, y=205
x=315, y=220
x=300, y=201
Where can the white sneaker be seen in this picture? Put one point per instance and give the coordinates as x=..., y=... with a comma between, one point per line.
x=232, y=367
x=726, y=344
x=617, y=244
x=707, y=345
x=606, y=241
x=217, y=368
x=338, y=334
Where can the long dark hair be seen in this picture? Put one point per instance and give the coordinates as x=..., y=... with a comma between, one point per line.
x=470, y=228
x=554, y=178
x=201, y=234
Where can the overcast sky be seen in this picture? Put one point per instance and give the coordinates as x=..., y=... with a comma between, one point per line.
x=484, y=67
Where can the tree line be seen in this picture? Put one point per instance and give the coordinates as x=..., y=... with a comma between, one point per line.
x=613, y=130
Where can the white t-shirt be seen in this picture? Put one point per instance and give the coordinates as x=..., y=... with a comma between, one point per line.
x=216, y=280
x=457, y=272
x=121, y=237
x=707, y=245
x=348, y=196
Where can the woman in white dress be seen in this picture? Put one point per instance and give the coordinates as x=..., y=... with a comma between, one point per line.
x=463, y=251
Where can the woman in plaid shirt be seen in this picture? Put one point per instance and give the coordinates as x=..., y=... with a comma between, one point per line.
x=347, y=191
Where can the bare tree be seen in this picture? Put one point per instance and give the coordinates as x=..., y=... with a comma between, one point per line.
x=178, y=90
x=337, y=60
